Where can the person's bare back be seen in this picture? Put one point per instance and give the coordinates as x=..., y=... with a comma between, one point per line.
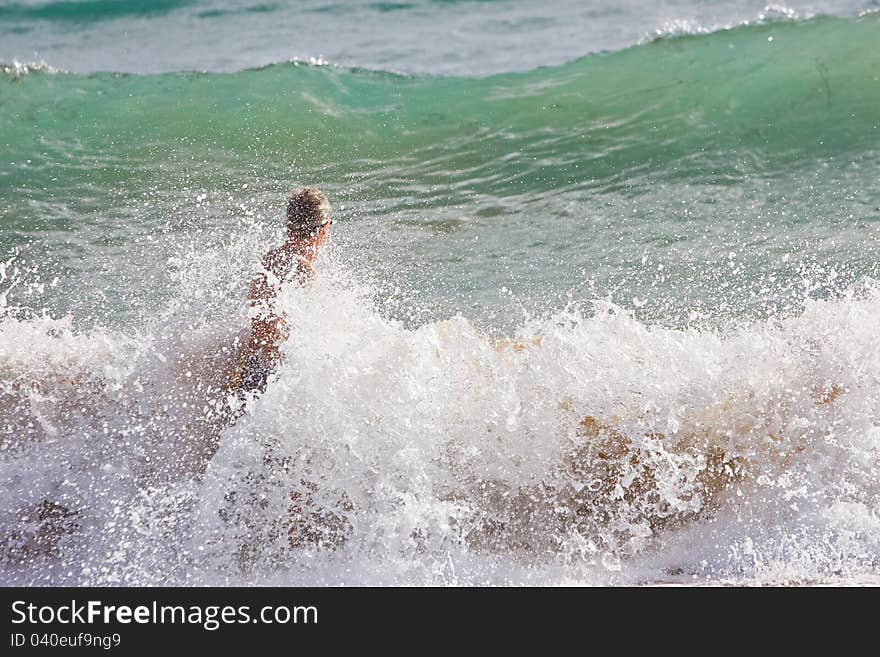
x=308, y=228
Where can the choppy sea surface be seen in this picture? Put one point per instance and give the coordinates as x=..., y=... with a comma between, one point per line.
x=600, y=306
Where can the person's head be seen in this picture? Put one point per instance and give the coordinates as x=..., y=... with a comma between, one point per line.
x=308, y=214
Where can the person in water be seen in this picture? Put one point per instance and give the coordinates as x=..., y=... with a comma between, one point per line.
x=307, y=230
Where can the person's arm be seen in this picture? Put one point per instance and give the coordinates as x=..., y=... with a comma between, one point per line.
x=268, y=328
x=262, y=291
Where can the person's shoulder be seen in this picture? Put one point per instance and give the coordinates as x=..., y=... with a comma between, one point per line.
x=274, y=256
x=278, y=260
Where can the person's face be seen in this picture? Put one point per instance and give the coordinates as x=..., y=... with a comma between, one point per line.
x=323, y=234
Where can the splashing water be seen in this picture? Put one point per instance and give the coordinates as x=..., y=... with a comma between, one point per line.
x=590, y=447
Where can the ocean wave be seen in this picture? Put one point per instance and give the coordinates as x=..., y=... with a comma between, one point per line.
x=587, y=446
x=88, y=10
x=756, y=99
x=16, y=69
x=682, y=27
x=591, y=445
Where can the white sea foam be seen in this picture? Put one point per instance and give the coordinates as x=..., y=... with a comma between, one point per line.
x=18, y=69
x=593, y=448
x=675, y=27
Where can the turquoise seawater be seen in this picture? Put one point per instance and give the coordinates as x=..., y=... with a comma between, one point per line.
x=689, y=171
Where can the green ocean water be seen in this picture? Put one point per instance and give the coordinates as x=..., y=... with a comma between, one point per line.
x=709, y=108
x=677, y=152
x=87, y=11
x=764, y=134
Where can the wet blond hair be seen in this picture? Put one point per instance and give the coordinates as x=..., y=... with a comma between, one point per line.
x=307, y=210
